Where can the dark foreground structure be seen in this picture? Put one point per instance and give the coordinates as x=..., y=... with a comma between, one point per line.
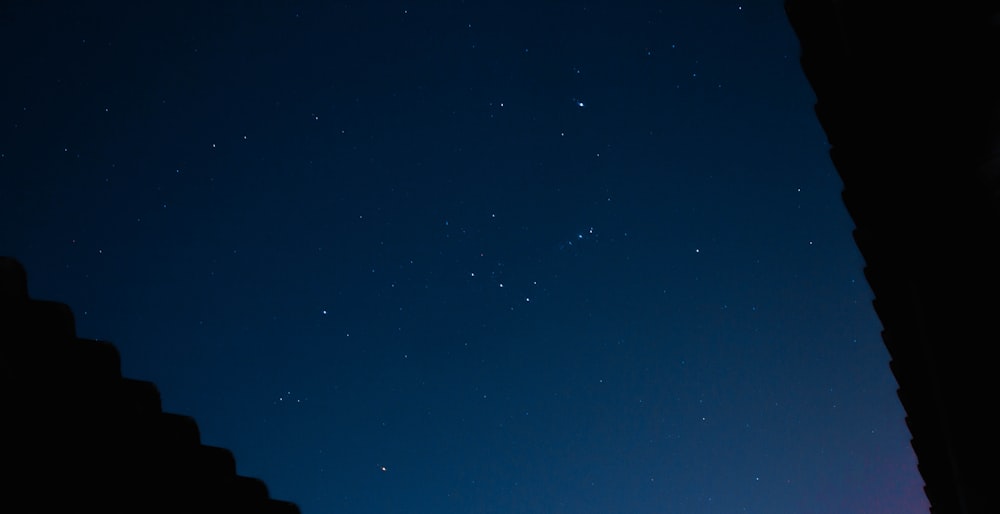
x=908, y=97
x=79, y=437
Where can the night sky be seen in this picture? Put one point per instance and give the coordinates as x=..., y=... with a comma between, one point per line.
x=556, y=257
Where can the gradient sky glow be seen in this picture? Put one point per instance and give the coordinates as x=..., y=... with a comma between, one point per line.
x=459, y=257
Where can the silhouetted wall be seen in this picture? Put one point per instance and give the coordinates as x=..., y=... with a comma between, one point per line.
x=908, y=97
x=79, y=437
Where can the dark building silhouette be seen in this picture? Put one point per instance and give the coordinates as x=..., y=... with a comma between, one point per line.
x=79, y=437
x=907, y=94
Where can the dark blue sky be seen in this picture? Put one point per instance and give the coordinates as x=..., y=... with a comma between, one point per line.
x=557, y=257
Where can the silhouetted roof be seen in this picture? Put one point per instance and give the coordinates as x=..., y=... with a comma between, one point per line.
x=79, y=437
x=908, y=97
